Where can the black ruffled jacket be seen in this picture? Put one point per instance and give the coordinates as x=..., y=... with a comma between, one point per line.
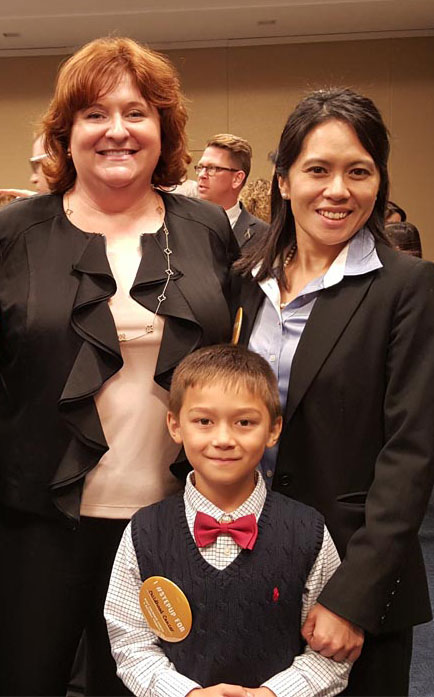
x=58, y=341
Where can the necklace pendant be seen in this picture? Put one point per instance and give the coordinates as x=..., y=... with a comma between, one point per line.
x=149, y=328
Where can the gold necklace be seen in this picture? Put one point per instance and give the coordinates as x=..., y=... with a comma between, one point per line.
x=149, y=328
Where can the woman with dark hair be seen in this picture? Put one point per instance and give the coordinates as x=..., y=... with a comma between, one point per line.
x=106, y=283
x=348, y=325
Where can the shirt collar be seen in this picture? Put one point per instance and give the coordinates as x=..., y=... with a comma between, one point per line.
x=197, y=502
x=362, y=254
x=359, y=256
x=234, y=213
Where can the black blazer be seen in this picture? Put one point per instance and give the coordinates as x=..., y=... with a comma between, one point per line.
x=58, y=340
x=247, y=226
x=358, y=434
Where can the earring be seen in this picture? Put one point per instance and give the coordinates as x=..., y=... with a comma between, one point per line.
x=284, y=196
x=68, y=153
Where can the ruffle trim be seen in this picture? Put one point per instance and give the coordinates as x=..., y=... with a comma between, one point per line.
x=98, y=359
x=99, y=356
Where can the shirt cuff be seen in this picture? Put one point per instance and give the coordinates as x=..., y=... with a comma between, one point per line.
x=170, y=683
x=298, y=686
x=310, y=675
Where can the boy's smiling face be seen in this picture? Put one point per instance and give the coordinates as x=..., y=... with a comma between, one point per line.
x=224, y=430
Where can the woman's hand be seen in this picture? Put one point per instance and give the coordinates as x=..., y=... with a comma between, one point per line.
x=331, y=635
x=223, y=690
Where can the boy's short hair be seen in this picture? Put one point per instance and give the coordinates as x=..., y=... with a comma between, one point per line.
x=239, y=148
x=235, y=366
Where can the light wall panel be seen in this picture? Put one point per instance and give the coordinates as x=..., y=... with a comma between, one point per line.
x=250, y=91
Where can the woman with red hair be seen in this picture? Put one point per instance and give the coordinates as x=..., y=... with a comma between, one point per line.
x=106, y=284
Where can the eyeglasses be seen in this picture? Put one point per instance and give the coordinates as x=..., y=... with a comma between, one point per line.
x=36, y=161
x=211, y=170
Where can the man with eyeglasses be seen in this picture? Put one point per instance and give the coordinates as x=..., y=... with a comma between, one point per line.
x=222, y=172
x=37, y=176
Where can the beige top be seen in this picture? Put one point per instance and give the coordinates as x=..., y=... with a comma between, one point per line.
x=132, y=407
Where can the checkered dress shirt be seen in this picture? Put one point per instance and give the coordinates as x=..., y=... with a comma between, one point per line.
x=141, y=661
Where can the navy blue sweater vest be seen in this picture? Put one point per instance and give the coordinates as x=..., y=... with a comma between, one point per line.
x=246, y=618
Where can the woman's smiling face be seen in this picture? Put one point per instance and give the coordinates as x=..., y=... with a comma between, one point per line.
x=332, y=186
x=116, y=142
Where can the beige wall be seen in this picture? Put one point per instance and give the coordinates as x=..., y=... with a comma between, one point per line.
x=250, y=91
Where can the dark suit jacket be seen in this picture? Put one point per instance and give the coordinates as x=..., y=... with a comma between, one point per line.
x=358, y=434
x=247, y=226
x=58, y=340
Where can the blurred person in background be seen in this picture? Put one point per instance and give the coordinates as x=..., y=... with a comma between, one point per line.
x=39, y=154
x=37, y=177
x=6, y=198
x=405, y=237
x=222, y=173
x=256, y=198
x=394, y=213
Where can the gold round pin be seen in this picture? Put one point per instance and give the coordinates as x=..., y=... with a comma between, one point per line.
x=237, y=326
x=166, y=608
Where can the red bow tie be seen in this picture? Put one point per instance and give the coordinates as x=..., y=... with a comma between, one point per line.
x=243, y=531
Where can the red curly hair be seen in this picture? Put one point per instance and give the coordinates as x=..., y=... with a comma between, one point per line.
x=96, y=69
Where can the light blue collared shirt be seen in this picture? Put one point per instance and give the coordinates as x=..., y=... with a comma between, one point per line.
x=277, y=330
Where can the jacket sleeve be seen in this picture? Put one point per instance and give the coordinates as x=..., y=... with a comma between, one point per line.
x=365, y=586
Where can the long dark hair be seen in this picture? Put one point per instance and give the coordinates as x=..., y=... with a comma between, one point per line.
x=323, y=105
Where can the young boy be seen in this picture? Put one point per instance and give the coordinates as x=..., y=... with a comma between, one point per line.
x=250, y=563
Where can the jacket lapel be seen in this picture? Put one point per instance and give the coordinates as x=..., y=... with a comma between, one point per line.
x=250, y=299
x=151, y=279
x=329, y=318
x=182, y=330
x=190, y=295
x=242, y=230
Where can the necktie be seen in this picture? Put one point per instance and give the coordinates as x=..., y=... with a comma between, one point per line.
x=243, y=531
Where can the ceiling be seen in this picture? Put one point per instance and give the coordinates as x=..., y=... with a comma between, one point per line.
x=60, y=27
